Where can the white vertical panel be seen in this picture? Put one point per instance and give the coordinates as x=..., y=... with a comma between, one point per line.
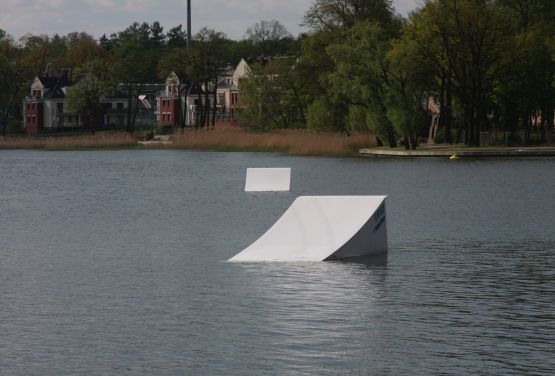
x=268, y=180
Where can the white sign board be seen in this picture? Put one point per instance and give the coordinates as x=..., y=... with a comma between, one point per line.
x=268, y=180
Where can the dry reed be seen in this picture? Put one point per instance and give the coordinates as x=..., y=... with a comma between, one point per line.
x=293, y=142
x=112, y=140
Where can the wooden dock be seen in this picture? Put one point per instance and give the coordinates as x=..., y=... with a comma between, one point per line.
x=507, y=152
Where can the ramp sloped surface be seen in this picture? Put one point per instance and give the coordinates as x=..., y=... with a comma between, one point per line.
x=318, y=228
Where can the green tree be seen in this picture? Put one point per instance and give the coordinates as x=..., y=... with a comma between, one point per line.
x=272, y=96
x=14, y=78
x=469, y=43
x=82, y=51
x=133, y=66
x=410, y=78
x=157, y=37
x=86, y=98
x=528, y=88
x=361, y=76
x=206, y=60
x=177, y=37
x=41, y=50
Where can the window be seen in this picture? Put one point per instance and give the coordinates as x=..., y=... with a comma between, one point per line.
x=120, y=106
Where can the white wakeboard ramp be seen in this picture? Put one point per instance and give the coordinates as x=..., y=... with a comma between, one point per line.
x=268, y=180
x=321, y=228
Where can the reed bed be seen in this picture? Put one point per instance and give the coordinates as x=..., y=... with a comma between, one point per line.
x=293, y=142
x=98, y=141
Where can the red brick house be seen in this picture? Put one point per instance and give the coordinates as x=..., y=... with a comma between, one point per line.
x=178, y=99
x=168, y=102
x=45, y=107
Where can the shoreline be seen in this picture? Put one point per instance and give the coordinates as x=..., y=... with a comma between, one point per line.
x=289, y=142
x=455, y=153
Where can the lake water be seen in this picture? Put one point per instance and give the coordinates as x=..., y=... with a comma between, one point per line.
x=113, y=262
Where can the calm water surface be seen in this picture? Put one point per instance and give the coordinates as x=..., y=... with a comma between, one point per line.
x=113, y=263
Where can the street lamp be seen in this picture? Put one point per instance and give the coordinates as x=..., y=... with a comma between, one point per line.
x=188, y=23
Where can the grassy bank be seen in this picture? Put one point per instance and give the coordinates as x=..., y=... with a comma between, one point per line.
x=292, y=142
x=98, y=141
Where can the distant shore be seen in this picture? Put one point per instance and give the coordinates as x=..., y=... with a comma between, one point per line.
x=289, y=142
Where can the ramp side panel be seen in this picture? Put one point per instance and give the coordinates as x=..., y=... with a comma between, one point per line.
x=370, y=240
x=268, y=180
x=314, y=228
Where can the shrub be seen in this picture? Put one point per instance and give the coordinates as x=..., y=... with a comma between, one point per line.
x=164, y=129
x=15, y=127
x=149, y=136
x=440, y=136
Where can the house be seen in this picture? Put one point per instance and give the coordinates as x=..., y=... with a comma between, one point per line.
x=115, y=110
x=180, y=98
x=176, y=100
x=230, y=87
x=44, y=108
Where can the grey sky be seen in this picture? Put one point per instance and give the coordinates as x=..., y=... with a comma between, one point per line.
x=97, y=17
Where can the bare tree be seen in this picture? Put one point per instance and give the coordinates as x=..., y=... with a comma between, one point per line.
x=343, y=14
x=266, y=31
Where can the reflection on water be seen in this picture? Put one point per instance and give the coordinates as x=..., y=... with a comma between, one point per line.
x=379, y=260
x=114, y=262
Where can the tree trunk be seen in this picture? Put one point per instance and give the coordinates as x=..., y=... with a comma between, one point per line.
x=448, y=112
x=180, y=109
x=206, y=112
x=467, y=128
x=129, y=102
x=3, y=125
x=214, y=105
x=442, y=103
x=199, y=108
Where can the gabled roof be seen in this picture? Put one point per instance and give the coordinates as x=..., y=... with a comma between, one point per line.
x=48, y=82
x=55, y=85
x=116, y=94
x=183, y=88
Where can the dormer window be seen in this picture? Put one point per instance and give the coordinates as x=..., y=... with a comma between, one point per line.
x=171, y=90
x=37, y=94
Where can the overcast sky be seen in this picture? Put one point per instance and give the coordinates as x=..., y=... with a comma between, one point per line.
x=97, y=17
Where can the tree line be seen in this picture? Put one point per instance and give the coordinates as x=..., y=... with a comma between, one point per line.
x=129, y=60
x=488, y=63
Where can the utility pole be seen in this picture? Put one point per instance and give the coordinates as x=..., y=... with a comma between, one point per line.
x=188, y=23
